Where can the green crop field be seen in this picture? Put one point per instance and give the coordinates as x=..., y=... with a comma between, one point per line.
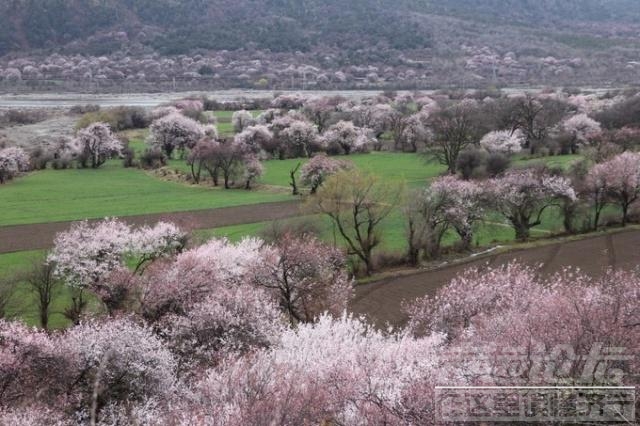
x=58, y=195
x=413, y=169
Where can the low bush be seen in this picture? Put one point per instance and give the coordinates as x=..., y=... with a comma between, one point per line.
x=84, y=109
x=121, y=118
x=24, y=116
x=152, y=159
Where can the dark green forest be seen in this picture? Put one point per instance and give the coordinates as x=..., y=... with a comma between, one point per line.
x=182, y=26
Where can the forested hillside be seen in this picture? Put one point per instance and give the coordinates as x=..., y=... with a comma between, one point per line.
x=180, y=26
x=172, y=26
x=388, y=41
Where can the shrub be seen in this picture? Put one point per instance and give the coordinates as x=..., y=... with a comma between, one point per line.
x=29, y=116
x=40, y=157
x=83, y=109
x=120, y=118
x=153, y=158
x=129, y=157
x=496, y=164
x=469, y=162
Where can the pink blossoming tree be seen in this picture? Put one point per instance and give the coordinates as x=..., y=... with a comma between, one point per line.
x=98, y=144
x=174, y=131
x=316, y=170
x=522, y=196
x=306, y=277
x=503, y=142
x=13, y=160
x=617, y=181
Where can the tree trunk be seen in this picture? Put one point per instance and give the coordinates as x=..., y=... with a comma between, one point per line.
x=598, y=207
x=568, y=215
x=293, y=183
x=368, y=264
x=466, y=239
x=44, y=316
x=196, y=174
x=522, y=231
x=413, y=255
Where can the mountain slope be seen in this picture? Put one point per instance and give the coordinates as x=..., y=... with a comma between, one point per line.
x=172, y=26
x=359, y=42
x=180, y=26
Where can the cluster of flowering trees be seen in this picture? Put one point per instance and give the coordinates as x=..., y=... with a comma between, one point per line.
x=91, y=147
x=451, y=129
x=512, y=309
x=13, y=160
x=615, y=181
x=175, y=131
x=521, y=197
x=447, y=204
x=168, y=327
x=97, y=144
x=295, y=136
x=253, y=333
x=231, y=158
x=279, y=132
x=304, y=276
x=452, y=204
x=443, y=126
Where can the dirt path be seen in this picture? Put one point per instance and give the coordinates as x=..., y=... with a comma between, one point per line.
x=41, y=235
x=382, y=301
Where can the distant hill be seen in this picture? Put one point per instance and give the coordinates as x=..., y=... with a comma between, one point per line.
x=171, y=27
x=495, y=40
x=180, y=26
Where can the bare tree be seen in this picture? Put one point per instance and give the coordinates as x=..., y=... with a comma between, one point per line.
x=7, y=289
x=43, y=283
x=535, y=118
x=454, y=129
x=357, y=203
x=293, y=183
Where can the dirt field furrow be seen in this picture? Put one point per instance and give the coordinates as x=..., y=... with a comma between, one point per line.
x=41, y=235
x=382, y=301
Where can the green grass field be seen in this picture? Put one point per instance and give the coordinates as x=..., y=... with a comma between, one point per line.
x=58, y=195
x=563, y=161
x=224, y=121
x=412, y=169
